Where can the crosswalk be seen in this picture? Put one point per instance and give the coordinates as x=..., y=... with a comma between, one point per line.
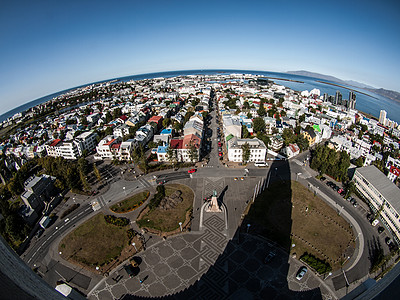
x=144, y=182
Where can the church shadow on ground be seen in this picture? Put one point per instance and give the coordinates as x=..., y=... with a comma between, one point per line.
x=241, y=272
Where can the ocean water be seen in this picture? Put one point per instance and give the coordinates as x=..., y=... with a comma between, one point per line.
x=370, y=103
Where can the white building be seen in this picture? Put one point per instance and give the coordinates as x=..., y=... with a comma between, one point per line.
x=382, y=196
x=108, y=147
x=382, y=117
x=258, y=150
x=86, y=141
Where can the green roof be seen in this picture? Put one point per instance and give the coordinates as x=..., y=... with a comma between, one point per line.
x=229, y=137
x=316, y=127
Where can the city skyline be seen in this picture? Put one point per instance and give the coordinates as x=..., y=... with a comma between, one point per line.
x=49, y=47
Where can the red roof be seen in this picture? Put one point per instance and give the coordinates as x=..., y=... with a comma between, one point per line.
x=115, y=146
x=176, y=144
x=155, y=119
x=394, y=170
x=55, y=142
x=110, y=142
x=123, y=118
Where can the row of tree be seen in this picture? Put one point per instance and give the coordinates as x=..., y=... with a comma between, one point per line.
x=328, y=161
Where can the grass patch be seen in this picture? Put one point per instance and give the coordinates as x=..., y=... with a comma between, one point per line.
x=131, y=203
x=168, y=220
x=95, y=242
x=289, y=213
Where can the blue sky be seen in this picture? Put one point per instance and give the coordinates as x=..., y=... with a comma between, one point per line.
x=48, y=46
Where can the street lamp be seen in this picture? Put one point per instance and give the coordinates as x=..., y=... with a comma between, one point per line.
x=248, y=227
x=330, y=273
x=297, y=175
x=348, y=257
x=134, y=246
x=180, y=225
x=124, y=190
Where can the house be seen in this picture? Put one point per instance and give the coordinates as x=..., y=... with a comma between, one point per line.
x=121, y=130
x=291, y=150
x=310, y=136
x=144, y=134
x=162, y=154
x=164, y=136
x=125, y=149
x=276, y=143
x=393, y=173
x=232, y=125
x=157, y=120
x=105, y=147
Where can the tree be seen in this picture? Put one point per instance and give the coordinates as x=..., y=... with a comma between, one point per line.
x=258, y=125
x=245, y=132
x=187, y=116
x=172, y=156
x=83, y=165
x=193, y=152
x=85, y=184
x=246, y=105
x=96, y=172
x=359, y=162
x=245, y=152
x=109, y=131
x=261, y=110
x=302, y=142
x=166, y=122
x=249, y=115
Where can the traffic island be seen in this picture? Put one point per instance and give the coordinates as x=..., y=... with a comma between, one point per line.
x=99, y=245
x=169, y=212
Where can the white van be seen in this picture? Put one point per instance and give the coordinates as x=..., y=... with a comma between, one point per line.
x=261, y=164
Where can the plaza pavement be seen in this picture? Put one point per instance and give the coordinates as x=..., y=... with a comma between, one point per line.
x=209, y=263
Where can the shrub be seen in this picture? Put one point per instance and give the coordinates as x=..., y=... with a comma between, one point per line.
x=155, y=201
x=117, y=221
x=321, y=266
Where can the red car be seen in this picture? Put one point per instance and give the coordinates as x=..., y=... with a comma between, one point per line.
x=220, y=154
x=192, y=171
x=219, y=144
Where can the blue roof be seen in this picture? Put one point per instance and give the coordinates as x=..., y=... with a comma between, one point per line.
x=166, y=131
x=162, y=149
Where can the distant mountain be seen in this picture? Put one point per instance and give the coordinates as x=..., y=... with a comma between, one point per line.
x=385, y=93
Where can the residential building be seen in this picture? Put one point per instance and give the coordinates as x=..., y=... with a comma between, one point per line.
x=258, y=150
x=86, y=141
x=310, y=136
x=121, y=130
x=276, y=143
x=106, y=147
x=144, y=134
x=382, y=196
x=291, y=150
x=125, y=149
x=393, y=173
x=37, y=190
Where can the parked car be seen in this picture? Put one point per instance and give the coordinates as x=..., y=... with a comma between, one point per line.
x=322, y=178
x=220, y=154
x=130, y=270
x=300, y=274
x=219, y=145
x=269, y=257
x=192, y=171
x=388, y=241
x=343, y=193
x=375, y=222
x=381, y=229
x=340, y=190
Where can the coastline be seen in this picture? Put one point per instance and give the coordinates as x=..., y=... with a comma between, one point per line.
x=347, y=88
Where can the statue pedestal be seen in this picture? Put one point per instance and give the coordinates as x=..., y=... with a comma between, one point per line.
x=213, y=205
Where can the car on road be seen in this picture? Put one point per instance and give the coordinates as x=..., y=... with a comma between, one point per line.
x=301, y=272
x=192, y=171
x=219, y=144
x=220, y=153
x=39, y=232
x=375, y=222
x=241, y=178
x=322, y=178
x=340, y=190
x=388, y=241
x=381, y=229
x=269, y=257
x=235, y=178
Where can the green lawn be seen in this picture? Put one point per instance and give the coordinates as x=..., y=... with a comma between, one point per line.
x=131, y=203
x=289, y=213
x=95, y=242
x=168, y=220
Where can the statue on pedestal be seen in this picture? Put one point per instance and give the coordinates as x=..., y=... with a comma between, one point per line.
x=213, y=205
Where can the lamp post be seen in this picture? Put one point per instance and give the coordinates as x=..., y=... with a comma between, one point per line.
x=347, y=258
x=180, y=225
x=297, y=175
x=330, y=273
x=134, y=246
x=248, y=227
x=124, y=190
